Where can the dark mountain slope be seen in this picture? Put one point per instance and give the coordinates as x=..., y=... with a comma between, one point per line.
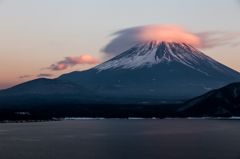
x=42, y=92
x=156, y=70
x=43, y=86
x=223, y=101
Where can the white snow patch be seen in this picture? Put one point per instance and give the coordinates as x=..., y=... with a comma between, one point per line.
x=207, y=88
x=235, y=92
x=135, y=118
x=82, y=118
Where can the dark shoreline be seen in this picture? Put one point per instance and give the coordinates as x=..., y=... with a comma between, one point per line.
x=130, y=118
x=60, y=111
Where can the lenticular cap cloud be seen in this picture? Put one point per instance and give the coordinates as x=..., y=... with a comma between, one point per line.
x=130, y=37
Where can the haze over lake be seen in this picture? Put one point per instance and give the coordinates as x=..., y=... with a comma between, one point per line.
x=121, y=139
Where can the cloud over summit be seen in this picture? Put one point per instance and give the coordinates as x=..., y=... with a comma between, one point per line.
x=130, y=37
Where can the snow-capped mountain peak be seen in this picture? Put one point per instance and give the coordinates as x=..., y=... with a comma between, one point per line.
x=156, y=69
x=152, y=53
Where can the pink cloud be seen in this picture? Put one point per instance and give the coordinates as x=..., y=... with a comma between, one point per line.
x=72, y=61
x=130, y=37
x=168, y=33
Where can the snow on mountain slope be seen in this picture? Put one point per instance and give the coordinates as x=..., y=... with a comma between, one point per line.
x=156, y=70
x=153, y=53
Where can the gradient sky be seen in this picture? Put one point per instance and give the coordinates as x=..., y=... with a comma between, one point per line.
x=38, y=33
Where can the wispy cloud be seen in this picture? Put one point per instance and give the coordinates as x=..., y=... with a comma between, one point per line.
x=212, y=39
x=44, y=75
x=72, y=61
x=130, y=37
x=25, y=76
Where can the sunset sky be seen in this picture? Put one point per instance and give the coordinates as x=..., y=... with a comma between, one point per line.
x=47, y=38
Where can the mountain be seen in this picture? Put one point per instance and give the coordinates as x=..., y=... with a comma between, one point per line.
x=159, y=70
x=223, y=101
x=43, y=94
x=43, y=86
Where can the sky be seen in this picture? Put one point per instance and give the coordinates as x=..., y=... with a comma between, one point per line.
x=47, y=38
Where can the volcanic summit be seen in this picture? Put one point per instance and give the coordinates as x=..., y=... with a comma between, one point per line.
x=161, y=70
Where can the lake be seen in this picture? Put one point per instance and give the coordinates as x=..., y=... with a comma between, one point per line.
x=121, y=139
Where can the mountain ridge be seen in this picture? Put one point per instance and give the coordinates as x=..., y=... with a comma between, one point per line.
x=225, y=100
x=156, y=70
x=46, y=87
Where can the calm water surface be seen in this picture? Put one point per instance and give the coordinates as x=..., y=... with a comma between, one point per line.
x=121, y=139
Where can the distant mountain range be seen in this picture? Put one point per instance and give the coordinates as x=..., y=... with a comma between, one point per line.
x=44, y=92
x=43, y=86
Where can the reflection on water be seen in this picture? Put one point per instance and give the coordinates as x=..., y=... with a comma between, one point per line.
x=121, y=139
